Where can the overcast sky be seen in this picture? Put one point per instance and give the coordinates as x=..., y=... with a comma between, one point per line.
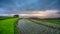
x=29, y=6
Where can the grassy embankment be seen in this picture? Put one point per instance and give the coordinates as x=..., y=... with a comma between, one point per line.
x=7, y=25
x=52, y=22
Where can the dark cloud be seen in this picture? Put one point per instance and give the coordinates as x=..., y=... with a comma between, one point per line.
x=58, y=12
x=22, y=6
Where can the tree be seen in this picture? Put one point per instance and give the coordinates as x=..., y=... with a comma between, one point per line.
x=16, y=16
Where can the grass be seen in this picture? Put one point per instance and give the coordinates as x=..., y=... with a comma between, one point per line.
x=50, y=20
x=7, y=26
x=4, y=17
x=16, y=29
x=55, y=23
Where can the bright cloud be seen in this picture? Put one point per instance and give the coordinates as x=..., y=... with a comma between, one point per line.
x=43, y=14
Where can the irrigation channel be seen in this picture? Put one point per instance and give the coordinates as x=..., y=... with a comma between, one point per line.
x=28, y=27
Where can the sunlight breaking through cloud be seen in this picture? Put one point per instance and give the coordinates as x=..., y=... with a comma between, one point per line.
x=43, y=14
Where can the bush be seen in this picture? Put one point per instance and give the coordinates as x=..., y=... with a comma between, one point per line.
x=16, y=16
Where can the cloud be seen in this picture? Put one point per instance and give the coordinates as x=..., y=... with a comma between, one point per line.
x=39, y=14
x=43, y=14
x=51, y=13
x=23, y=6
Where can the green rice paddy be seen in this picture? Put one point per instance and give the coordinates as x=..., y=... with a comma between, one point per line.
x=7, y=25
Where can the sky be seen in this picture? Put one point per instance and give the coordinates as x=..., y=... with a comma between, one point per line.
x=29, y=6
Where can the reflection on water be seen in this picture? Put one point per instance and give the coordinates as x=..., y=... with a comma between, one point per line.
x=28, y=27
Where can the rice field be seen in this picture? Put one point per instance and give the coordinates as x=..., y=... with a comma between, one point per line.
x=26, y=26
x=29, y=26
x=7, y=25
x=48, y=21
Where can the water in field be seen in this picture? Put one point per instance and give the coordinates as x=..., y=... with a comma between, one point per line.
x=28, y=27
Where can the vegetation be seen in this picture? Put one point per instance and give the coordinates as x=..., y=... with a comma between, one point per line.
x=16, y=16
x=51, y=22
x=4, y=17
x=7, y=25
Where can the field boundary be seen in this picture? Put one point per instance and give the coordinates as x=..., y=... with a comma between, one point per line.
x=16, y=29
x=45, y=24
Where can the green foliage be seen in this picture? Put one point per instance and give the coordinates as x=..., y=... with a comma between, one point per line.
x=16, y=16
x=49, y=20
x=7, y=26
x=4, y=17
